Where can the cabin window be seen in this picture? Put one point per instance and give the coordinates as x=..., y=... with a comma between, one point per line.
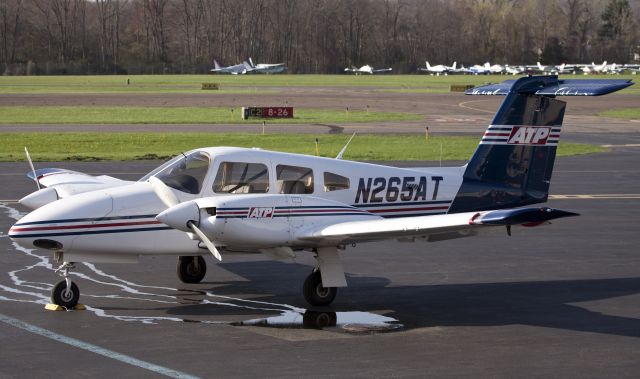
x=186, y=173
x=241, y=177
x=335, y=182
x=294, y=179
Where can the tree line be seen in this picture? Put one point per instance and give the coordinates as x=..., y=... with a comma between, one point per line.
x=310, y=36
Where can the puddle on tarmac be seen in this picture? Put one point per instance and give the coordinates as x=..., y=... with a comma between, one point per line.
x=351, y=322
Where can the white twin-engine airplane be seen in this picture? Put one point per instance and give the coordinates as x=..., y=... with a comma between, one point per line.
x=224, y=200
x=366, y=69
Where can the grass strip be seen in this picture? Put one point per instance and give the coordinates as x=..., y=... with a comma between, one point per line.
x=133, y=146
x=181, y=115
x=626, y=113
x=249, y=83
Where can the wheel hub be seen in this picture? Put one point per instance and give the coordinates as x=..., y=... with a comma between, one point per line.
x=321, y=291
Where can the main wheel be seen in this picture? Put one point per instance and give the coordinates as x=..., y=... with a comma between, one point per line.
x=191, y=269
x=60, y=296
x=315, y=293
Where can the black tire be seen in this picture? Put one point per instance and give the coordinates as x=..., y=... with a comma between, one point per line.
x=188, y=271
x=59, y=295
x=315, y=293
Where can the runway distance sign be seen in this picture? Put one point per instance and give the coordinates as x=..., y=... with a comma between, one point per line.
x=267, y=112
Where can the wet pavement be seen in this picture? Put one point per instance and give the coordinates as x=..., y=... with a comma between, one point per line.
x=559, y=300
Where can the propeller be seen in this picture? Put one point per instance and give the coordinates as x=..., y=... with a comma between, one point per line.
x=32, y=168
x=176, y=212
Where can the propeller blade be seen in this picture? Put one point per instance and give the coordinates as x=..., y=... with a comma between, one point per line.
x=207, y=242
x=32, y=168
x=163, y=192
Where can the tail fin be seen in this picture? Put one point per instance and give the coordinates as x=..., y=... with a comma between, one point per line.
x=428, y=65
x=513, y=163
x=453, y=67
x=216, y=64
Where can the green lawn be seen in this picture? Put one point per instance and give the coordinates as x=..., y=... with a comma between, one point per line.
x=627, y=113
x=248, y=83
x=180, y=115
x=129, y=146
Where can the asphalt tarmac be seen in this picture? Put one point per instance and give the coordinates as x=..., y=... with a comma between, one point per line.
x=561, y=300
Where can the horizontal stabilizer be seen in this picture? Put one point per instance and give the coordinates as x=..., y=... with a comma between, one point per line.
x=533, y=216
x=552, y=86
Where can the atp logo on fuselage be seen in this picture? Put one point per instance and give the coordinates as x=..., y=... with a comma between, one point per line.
x=529, y=135
x=260, y=212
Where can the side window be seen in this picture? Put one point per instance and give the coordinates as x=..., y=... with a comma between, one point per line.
x=335, y=182
x=294, y=179
x=241, y=177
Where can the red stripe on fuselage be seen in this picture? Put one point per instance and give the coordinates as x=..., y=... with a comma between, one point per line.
x=85, y=226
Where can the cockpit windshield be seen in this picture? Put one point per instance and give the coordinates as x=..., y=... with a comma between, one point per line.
x=185, y=173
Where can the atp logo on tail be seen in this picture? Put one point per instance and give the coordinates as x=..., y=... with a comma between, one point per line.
x=529, y=135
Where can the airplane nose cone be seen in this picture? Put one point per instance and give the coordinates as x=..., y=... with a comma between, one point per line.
x=39, y=198
x=178, y=216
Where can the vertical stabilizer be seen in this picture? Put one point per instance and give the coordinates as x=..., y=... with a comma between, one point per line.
x=513, y=163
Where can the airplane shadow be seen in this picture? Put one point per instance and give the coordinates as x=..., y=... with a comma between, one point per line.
x=539, y=303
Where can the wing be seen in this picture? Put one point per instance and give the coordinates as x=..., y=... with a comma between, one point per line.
x=433, y=228
x=383, y=69
x=68, y=182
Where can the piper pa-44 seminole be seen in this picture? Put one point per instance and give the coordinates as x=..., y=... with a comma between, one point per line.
x=222, y=200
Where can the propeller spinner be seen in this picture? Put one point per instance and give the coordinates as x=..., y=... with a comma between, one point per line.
x=181, y=216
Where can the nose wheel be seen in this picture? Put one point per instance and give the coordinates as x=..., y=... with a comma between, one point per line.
x=65, y=293
x=315, y=293
x=191, y=269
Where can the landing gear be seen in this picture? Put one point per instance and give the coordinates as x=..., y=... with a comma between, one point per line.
x=65, y=293
x=191, y=269
x=315, y=293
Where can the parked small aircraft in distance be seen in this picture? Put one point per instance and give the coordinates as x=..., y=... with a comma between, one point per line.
x=594, y=68
x=514, y=70
x=240, y=68
x=366, y=69
x=225, y=200
x=266, y=68
x=438, y=69
x=484, y=69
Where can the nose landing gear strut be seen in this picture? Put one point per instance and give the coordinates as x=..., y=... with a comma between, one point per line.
x=65, y=293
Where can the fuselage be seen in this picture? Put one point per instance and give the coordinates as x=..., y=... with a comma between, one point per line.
x=113, y=224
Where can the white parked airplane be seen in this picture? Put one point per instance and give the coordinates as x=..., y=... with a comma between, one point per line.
x=266, y=68
x=485, y=69
x=594, y=68
x=366, y=69
x=224, y=199
x=439, y=69
x=240, y=68
x=552, y=69
x=514, y=70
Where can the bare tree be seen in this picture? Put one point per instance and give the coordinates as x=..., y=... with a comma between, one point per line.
x=10, y=12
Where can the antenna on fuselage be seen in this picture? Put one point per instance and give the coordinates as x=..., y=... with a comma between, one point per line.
x=339, y=156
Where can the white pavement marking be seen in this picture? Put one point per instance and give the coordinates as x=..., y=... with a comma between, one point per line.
x=598, y=196
x=463, y=105
x=625, y=145
x=93, y=348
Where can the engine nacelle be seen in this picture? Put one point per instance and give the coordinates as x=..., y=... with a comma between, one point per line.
x=258, y=221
